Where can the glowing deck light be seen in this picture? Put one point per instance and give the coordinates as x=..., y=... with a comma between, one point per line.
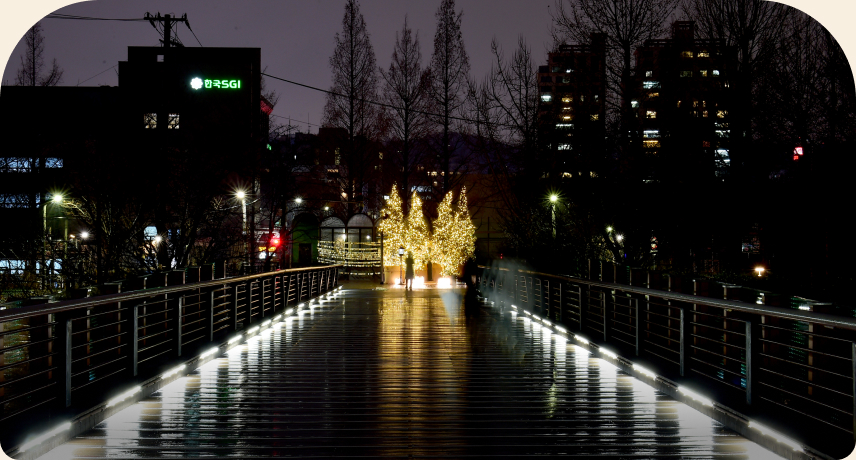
x=444, y=283
x=288, y=312
x=527, y=313
x=561, y=329
x=209, y=352
x=301, y=305
x=265, y=323
x=546, y=322
x=775, y=435
x=252, y=329
x=760, y=270
x=606, y=352
x=696, y=396
x=804, y=308
x=172, y=371
x=277, y=317
x=514, y=307
x=123, y=396
x=645, y=371
x=580, y=349
x=580, y=338
x=235, y=339
x=44, y=436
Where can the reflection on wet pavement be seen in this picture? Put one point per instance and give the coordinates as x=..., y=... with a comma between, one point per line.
x=405, y=374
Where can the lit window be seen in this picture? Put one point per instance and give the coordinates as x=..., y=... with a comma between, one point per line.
x=653, y=95
x=679, y=104
x=703, y=54
x=723, y=132
x=564, y=125
x=649, y=73
x=567, y=109
x=715, y=73
x=634, y=104
x=569, y=71
x=651, y=114
x=686, y=54
x=686, y=73
x=582, y=98
x=704, y=114
x=567, y=99
x=546, y=98
x=173, y=121
x=565, y=147
x=651, y=133
x=705, y=143
x=595, y=117
x=53, y=162
x=10, y=164
x=704, y=103
x=555, y=69
x=336, y=157
x=695, y=103
x=721, y=113
x=650, y=84
x=648, y=144
x=380, y=154
x=566, y=79
x=703, y=73
x=567, y=117
x=151, y=120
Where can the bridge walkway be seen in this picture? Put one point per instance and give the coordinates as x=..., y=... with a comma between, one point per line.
x=405, y=374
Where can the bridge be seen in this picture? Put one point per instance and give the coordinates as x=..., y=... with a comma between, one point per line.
x=298, y=363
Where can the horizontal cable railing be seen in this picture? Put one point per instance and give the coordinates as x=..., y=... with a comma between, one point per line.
x=799, y=367
x=59, y=358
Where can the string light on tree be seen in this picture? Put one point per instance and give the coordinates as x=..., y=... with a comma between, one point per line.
x=417, y=234
x=392, y=226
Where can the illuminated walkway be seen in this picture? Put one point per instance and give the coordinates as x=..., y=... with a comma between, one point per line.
x=403, y=374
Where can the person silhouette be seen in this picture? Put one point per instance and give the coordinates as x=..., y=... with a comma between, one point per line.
x=408, y=271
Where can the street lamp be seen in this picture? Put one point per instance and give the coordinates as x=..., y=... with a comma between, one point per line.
x=242, y=195
x=56, y=199
x=400, y=266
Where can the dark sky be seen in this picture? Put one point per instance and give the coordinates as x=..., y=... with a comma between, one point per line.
x=297, y=36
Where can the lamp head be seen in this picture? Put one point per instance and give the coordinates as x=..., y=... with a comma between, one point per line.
x=401, y=251
x=57, y=198
x=240, y=194
x=298, y=200
x=554, y=198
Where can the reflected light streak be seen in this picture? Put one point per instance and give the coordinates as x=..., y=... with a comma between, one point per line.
x=776, y=435
x=581, y=339
x=44, y=437
x=644, y=371
x=696, y=396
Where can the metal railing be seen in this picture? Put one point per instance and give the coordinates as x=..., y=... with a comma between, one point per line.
x=59, y=358
x=797, y=367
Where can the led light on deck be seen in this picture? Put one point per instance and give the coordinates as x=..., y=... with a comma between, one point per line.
x=527, y=313
x=44, y=436
x=581, y=339
x=560, y=329
x=289, y=311
x=301, y=305
x=252, y=329
x=123, y=396
x=209, y=352
x=776, y=435
x=173, y=371
x=514, y=307
x=580, y=349
x=645, y=371
x=277, y=317
x=265, y=323
x=804, y=308
x=608, y=353
x=235, y=339
x=696, y=396
x=546, y=322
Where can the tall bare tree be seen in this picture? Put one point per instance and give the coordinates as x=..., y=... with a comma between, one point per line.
x=450, y=69
x=32, y=68
x=355, y=87
x=753, y=27
x=626, y=24
x=405, y=90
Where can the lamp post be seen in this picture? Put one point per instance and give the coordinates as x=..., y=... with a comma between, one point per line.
x=553, y=199
x=400, y=266
x=56, y=199
x=241, y=195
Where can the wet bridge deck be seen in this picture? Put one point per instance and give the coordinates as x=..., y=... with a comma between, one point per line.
x=403, y=374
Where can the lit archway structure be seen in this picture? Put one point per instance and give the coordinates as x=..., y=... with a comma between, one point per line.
x=353, y=245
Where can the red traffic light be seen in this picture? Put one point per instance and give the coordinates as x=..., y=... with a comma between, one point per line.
x=274, y=241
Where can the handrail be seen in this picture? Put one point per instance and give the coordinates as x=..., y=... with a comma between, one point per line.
x=824, y=319
x=73, y=304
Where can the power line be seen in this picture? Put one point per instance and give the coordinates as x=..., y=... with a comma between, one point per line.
x=389, y=106
x=89, y=18
x=99, y=73
x=296, y=120
x=194, y=35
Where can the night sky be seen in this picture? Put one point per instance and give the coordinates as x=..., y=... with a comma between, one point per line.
x=297, y=37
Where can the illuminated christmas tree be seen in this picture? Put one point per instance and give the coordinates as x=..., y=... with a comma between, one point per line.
x=393, y=228
x=417, y=234
x=454, y=234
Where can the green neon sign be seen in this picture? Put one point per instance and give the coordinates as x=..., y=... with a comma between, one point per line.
x=198, y=83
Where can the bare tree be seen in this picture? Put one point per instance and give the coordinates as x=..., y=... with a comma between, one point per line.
x=626, y=24
x=33, y=62
x=355, y=87
x=405, y=85
x=450, y=69
x=753, y=27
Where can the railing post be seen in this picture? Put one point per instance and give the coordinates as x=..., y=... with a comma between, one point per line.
x=211, y=315
x=235, y=306
x=262, y=284
x=605, y=315
x=638, y=328
x=65, y=326
x=684, y=334
x=178, y=318
x=561, y=308
x=583, y=302
x=752, y=345
x=135, y=314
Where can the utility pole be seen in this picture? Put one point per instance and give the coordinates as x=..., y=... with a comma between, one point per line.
x=167, y=21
